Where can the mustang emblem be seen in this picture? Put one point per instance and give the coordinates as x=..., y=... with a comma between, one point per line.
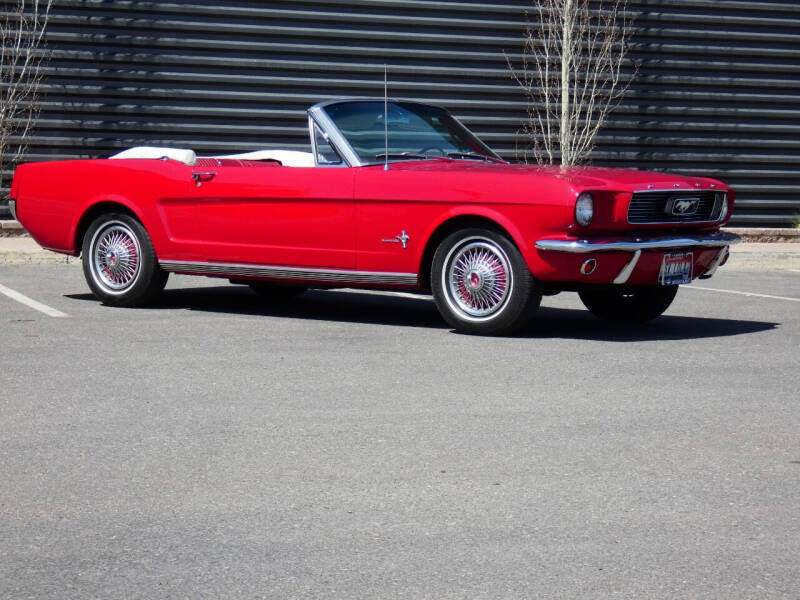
x=683, y=207
x=400, y=239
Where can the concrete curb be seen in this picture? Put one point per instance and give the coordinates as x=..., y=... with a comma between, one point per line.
x=12, y=229
x=23, y=250
x=761, y=235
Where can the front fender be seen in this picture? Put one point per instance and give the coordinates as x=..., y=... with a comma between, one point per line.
x=524, y=223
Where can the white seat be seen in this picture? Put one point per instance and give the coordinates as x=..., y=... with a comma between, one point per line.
x=288, y=158
x=187, y=157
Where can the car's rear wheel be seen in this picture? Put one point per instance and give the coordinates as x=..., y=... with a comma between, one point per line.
x=481, y=284
x=628, y=304
x=119, y=261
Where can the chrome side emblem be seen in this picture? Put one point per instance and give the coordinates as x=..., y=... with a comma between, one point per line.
x=400, y=239
x=682, y=206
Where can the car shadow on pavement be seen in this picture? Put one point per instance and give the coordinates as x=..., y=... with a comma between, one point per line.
x=322, y=305
x=581, y=324
x=386, y=309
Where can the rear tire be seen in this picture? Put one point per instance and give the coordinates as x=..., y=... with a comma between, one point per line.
x=628, y=304
x=119, y=262
x=481, y=283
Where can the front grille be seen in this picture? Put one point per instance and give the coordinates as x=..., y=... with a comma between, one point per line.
x=657, y=207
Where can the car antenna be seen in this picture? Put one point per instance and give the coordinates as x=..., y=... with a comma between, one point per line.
x=385, y=118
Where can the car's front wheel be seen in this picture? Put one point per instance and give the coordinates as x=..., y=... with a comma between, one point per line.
x=626, y=304
x=481, y=283
x=119, y=261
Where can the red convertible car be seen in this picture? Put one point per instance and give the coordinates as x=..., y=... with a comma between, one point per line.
x=393, y=195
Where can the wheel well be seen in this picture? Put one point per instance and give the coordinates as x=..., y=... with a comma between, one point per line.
x=445, y=229
x=90, y=215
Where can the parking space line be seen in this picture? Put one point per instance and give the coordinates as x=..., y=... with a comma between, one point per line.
x=705, y=289
x=31, y=303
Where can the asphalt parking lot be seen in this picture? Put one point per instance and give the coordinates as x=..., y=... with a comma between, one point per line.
x=352, y=446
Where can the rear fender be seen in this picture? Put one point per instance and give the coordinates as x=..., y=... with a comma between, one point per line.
x=15, y=182
x=97, y=206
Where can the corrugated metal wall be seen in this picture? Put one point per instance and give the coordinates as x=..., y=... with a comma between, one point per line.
x=718, y=91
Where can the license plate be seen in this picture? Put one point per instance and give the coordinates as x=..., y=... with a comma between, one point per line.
x=676, y=268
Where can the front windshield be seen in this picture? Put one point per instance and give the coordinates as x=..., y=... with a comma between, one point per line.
x=415, y=131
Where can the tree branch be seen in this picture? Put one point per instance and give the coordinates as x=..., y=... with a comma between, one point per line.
x=571, y=74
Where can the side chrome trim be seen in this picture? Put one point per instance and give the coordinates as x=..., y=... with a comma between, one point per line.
x=676, y=189
x=585, y=246
x=275, y=272
x=626, y=271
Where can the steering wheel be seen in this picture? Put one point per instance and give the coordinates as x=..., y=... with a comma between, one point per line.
x=428, y=148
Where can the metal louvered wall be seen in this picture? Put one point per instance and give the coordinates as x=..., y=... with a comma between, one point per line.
x=718, y=91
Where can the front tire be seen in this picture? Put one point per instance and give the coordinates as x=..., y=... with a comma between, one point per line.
x=481, y=283
x=626, y=304
x=119, y=262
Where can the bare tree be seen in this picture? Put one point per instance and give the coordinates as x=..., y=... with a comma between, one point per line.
x=571, y=74
x=22, y=29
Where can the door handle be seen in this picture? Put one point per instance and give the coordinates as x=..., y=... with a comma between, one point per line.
x=203, y=176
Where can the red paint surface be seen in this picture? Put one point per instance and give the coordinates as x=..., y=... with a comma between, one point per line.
x=338, y=217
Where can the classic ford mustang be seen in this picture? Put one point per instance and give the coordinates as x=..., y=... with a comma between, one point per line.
x=393, y=195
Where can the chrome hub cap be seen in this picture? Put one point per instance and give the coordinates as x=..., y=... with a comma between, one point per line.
x=474, y=281
x=477, y=278
x=115, y=257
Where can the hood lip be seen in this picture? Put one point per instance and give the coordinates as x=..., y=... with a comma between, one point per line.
x=580, y=178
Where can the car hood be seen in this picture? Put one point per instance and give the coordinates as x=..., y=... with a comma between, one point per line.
x=595, y=178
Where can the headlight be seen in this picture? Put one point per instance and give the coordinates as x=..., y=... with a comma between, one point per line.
x=584, y=209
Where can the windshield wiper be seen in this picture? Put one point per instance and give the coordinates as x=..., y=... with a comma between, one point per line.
x=402, y=155
x=474, y=155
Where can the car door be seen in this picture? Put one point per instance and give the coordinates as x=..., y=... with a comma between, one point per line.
x=264, y=213
x=394, y=212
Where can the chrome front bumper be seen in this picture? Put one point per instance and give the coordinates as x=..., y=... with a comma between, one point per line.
x=717, y=239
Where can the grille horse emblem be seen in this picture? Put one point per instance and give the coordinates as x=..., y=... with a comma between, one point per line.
x=682, y=207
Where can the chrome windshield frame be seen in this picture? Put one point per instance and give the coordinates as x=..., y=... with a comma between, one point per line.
x=318, y=115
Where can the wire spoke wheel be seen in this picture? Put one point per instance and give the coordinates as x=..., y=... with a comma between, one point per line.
x=481, y=283
x=119, y=261
x=478, y=279
x=116, y=257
